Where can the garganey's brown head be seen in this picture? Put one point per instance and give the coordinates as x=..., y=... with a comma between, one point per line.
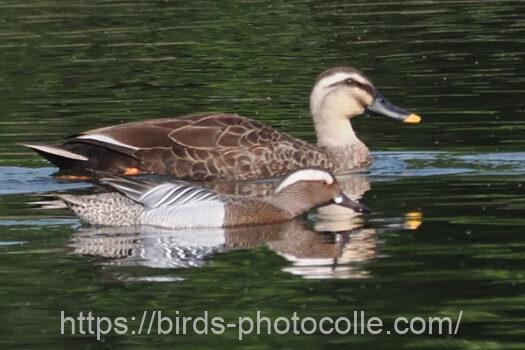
x=310, y=188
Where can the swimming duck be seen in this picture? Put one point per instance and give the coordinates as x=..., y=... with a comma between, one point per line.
x=213, y=146
x=179, y=204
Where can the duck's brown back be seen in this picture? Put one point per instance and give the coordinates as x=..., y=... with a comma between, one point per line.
x=206, y=147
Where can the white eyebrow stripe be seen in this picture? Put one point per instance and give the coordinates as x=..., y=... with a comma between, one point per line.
x=306, y=175
x=340, y=76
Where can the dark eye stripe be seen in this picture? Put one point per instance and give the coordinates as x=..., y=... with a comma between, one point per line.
x=368, y=88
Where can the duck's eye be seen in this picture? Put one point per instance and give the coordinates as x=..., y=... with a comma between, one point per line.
x=324, y=182
x=350, y=82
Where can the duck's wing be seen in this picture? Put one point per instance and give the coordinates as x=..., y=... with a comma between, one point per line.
x=200, y=147
x=204, y=131
x=223, y=131
x=130, y=138
x=155, y=195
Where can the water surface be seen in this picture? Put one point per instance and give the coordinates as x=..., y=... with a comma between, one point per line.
x=447, y=229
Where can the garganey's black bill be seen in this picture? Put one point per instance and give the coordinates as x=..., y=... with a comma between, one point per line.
x=344, y=201
x=383, y=107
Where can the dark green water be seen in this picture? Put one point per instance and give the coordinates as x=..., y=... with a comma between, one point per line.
x=70, y=66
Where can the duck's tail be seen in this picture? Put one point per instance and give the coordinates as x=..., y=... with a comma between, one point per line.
x=78, y=206
x=72, y=201
x=57, y=155
x=107, y=209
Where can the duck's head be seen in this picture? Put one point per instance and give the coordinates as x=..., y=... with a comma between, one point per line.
x=345, y=92
x=309, y=188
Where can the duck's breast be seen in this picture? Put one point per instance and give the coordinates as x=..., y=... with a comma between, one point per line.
x=203, y=214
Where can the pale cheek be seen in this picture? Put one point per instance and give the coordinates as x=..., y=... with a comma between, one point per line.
x=354, y=107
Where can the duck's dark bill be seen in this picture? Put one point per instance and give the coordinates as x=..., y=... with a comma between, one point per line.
x=344, y=201
x=383, y=107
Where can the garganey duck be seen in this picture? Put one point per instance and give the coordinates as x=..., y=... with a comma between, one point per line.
x=180, y=204
x=213, y=146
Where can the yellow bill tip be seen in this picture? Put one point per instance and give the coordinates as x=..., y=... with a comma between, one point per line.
x=413, y=220
x=412, y=119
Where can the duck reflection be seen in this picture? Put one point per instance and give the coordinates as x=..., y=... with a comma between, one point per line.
x=311, y=254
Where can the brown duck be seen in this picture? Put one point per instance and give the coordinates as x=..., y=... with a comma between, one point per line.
x=214, y=146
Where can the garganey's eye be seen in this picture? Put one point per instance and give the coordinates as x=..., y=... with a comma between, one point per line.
x=350, y=82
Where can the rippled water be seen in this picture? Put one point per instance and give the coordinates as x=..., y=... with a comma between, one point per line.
x=446, y=233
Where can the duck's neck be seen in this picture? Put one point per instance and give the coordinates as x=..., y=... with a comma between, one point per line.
x=334, y=130
x=337, y=137
x=292, y=202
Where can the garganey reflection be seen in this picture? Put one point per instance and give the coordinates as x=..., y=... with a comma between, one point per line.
x=309, y=254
